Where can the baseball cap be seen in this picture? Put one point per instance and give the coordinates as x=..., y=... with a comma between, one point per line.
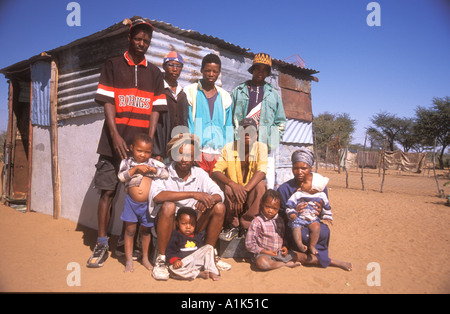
x=248, y=122
x=143, y=22
x=173, y=56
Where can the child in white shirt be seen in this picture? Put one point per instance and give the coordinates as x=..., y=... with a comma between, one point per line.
x=136, y=172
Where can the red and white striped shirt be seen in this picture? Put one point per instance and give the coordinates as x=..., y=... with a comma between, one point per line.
x=135, y=90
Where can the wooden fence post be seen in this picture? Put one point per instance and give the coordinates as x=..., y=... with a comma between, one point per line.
x=54, y=140
x=363, y=162
x=441, y=194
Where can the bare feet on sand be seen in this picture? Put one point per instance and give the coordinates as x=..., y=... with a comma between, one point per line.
x=206, y=274
x=293, y=264
x=344, y=265
x=128, y=267
x=147, y=264
x=313, y=250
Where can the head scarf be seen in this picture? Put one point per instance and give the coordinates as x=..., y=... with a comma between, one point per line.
x=303, y=155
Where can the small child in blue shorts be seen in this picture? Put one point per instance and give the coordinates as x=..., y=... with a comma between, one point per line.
x=136, y=172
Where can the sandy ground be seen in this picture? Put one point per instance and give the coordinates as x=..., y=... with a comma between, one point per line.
x=397, y=241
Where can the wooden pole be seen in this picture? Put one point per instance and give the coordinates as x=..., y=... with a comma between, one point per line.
x=339, y=161
x=345, y=167
x=54, y=140
x=434, y=168
x=384, y=170
x=30, y=151
x=12, y=147
x=382, y=155
x=363, y=162
x=8, y=148
x=316, y=153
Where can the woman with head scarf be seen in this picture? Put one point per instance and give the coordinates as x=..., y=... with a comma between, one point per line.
x=302, y=163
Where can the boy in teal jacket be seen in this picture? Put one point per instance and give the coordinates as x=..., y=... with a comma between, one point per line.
x=210, y=114
x=260, y=101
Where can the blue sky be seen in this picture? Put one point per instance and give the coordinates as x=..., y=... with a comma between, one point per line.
x=394, y=67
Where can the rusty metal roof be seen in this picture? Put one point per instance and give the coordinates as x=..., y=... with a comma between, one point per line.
x=224, y=44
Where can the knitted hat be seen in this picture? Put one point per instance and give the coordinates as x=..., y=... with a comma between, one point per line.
x=261, y=58
x=319, y=182
x=173, y=56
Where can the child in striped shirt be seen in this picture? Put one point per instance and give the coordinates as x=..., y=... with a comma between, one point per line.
x=265, y=236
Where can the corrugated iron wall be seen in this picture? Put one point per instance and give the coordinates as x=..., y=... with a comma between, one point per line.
x=40, y=106
x=79, y=75
x=298, y=132
x=79, y=71
x=80, y=64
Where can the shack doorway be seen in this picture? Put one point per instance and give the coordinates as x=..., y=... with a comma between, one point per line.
x=17, y=143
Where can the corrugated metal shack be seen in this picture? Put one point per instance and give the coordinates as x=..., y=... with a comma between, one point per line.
x=54, y=123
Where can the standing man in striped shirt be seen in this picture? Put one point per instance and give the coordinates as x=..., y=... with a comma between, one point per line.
x=130, y=89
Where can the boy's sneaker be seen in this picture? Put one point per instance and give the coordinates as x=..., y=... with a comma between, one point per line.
x=229, y=234
x=160, y=270
x=98, y=257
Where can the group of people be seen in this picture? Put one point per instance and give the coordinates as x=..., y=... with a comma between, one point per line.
x=197, y=164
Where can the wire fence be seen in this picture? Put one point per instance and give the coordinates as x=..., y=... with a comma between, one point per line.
x=380, y=171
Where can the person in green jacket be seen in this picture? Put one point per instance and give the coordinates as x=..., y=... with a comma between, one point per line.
x=259, y=100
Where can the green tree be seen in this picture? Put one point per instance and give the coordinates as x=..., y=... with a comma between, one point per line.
x=434, y=123
x=387, y=126
x=333, y=131
x=407, y=137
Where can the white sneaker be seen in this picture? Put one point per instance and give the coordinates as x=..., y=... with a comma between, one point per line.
x=160, y=270
x=221, y=265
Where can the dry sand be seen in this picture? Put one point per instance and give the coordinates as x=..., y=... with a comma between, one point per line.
x=404, y=230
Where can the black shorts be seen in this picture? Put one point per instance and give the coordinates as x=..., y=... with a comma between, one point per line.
x=106, y=174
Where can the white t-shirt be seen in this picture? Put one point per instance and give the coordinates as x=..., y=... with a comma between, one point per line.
x=198, y=181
